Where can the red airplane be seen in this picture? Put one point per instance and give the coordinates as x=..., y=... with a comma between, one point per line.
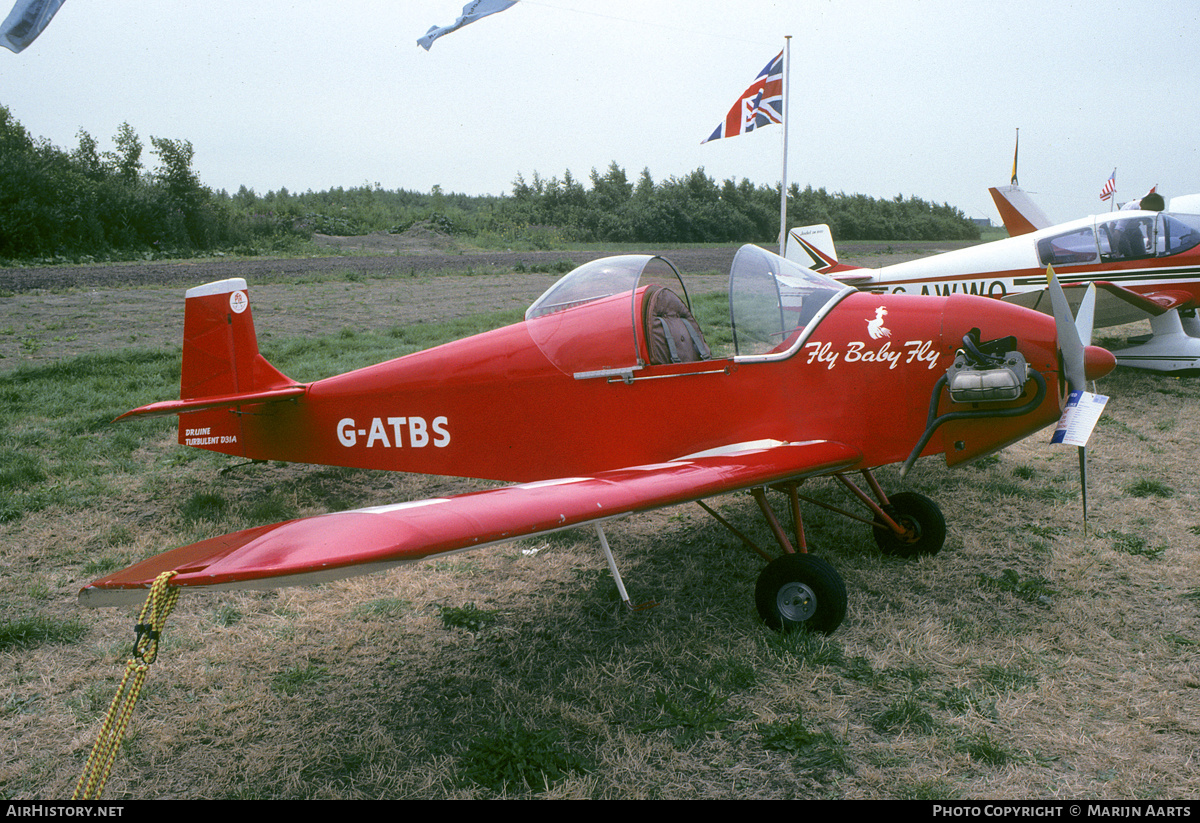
x=607, y=400
x=1144, y=262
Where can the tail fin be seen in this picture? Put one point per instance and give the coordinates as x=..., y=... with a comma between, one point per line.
x=1019, y=213
x=220, y=348
x=222, y=369
x=812, y=247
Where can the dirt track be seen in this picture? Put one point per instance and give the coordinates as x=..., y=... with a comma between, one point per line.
x=393, y=260
x=54, y=312
x=190, y=272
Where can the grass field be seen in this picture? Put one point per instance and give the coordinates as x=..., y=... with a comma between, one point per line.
x=1028, y=660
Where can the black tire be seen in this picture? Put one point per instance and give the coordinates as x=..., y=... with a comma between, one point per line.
x=923, y=520
x=801, y=591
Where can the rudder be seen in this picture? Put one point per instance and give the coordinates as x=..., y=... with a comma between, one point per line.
x=220, y=348
x=812, y=247
x=221, y=361
x=1018, y=212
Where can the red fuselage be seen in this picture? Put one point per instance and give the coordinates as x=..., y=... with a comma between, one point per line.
x=495, y=406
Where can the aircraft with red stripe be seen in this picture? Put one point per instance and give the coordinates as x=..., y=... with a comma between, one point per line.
x=1144, y=263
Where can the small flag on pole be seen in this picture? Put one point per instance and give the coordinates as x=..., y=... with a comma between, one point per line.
x=759, y=105
x=25, y=22
x=471, y=12
x=1110, y=187
x=1016, y=148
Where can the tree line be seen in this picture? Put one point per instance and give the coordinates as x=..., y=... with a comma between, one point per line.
x=83, y=203
x=59, y=203
x=696, y=209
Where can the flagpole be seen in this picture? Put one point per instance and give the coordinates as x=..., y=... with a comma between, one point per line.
x=1016, y=148
x=787, y=87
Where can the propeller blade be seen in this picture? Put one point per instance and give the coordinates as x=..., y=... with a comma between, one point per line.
x=1085, y=318
x=1070, y=347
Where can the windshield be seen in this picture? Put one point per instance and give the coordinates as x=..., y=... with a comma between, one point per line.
x=618, y=315
x=1143, y=234
x=1177, y=233
x=773, y=300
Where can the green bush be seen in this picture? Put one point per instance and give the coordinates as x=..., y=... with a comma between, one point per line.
x=86, y=204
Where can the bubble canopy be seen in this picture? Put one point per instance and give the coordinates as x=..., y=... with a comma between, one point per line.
x=617, y=315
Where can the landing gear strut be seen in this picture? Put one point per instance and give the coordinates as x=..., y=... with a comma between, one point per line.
x=798, y=590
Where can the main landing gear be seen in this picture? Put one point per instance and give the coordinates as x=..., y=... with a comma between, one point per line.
x=800, y=590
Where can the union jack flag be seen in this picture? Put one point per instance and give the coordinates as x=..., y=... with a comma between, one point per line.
x=759, y=105
x=1110, y=187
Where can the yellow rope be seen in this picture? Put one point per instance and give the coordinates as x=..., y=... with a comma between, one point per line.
x=154, y=614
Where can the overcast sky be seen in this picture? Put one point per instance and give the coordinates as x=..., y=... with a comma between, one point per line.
x=913, y=98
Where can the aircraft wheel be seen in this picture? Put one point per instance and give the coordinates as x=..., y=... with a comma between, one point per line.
x=923, y=521
x=801, y=590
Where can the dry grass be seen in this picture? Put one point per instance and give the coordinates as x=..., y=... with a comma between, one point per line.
x=1027, y=660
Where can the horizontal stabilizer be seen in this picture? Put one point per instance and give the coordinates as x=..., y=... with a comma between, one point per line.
x=343, y=544
x=852, y=277
x=166, y=407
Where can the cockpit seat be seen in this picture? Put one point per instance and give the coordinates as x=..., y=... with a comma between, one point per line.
x=1133, y=244
x=672, y=333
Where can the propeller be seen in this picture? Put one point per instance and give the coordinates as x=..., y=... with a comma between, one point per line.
x=1073, y=334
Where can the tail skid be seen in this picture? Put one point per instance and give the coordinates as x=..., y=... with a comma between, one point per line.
x=223, y=370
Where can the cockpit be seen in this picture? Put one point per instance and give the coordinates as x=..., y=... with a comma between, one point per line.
x=619, y=315
x=1131, y=235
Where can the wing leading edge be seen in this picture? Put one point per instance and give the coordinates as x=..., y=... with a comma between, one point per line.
x=1115, y=304
x=361, y=541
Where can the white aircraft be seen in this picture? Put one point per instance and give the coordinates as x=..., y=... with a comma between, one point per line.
x=1144, y=262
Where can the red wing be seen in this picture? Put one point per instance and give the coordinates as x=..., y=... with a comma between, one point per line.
x=1167, y=299
x=332, y=546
